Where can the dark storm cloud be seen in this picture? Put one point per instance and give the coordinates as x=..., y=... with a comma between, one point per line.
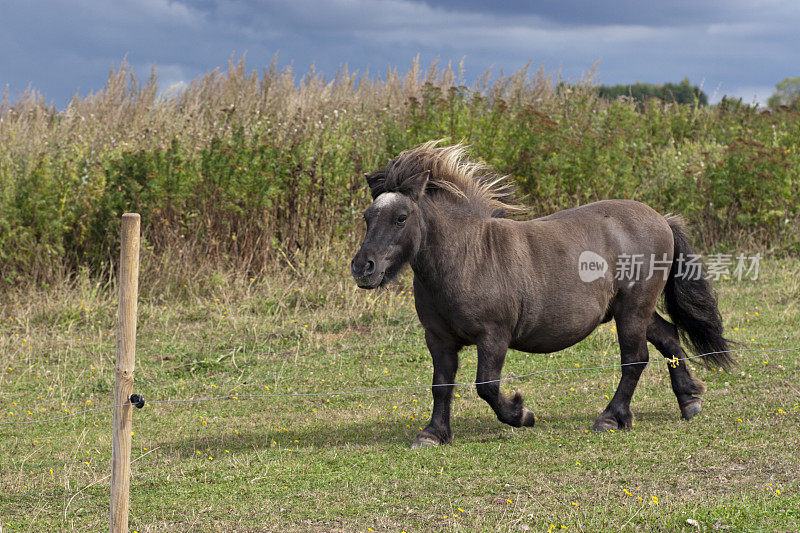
x=744, y=48
x=625, y=12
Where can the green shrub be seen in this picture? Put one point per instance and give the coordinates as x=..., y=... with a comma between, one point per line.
x=248, y=170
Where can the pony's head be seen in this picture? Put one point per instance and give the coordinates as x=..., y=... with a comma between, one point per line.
x=422, y=176
x=394, y=231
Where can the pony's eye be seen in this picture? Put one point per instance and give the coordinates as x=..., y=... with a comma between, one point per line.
x=401, y=220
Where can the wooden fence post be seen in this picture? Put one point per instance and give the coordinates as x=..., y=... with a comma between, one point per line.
x=128, y=279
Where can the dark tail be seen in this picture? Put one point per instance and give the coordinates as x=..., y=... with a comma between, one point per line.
x=691, y=303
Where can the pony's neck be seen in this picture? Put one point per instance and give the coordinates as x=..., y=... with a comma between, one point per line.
x=446, y=236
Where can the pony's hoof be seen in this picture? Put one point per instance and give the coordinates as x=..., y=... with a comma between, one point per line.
x=604, y=423
x=425, y=440
x=528, y=418
x=691, y=408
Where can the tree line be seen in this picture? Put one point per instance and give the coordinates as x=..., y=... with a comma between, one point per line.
x=680, y=93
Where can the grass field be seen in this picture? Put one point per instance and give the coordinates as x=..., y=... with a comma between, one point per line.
x=342, y=462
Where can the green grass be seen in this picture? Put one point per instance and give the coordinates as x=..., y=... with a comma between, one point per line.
x=343, y=462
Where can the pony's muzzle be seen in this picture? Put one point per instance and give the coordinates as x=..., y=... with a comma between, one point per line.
x=363, y=271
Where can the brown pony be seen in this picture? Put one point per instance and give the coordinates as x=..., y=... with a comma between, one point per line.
x=538, y=286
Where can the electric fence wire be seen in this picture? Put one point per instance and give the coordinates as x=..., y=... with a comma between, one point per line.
x=673, y=360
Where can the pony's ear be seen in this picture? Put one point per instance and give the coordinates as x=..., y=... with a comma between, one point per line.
x=414, y=187
x=375, y=182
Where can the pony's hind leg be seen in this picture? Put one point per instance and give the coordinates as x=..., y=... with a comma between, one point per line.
x=491, y=356
x=664, y=336
x=445, y=365
x=631, y=331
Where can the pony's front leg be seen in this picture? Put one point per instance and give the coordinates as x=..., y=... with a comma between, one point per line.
x=491, y=356
x=445, y=364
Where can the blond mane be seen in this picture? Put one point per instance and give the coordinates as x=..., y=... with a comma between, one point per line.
x=451, y=172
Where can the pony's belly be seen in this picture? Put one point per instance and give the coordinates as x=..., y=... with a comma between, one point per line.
x=547, y=341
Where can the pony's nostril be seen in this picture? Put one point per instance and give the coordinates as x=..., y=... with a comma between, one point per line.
x=370, y=268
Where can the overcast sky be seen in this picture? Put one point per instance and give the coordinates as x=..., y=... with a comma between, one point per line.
x=736, y=47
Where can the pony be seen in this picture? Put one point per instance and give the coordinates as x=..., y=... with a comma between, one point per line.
x=539, y=286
